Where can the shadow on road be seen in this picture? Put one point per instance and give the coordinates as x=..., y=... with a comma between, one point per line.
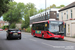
x=13, y=39
x=51, y=39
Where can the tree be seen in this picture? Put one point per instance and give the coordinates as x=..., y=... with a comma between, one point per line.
x=53, y=6
x=30, y=10
x=3, y=6
x=15, y=13
x=47, y=8
x=41, y=10
x=60, y=6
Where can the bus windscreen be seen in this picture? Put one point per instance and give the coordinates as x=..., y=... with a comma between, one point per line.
x=56, y=26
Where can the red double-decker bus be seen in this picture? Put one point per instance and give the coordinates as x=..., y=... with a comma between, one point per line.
x=48, y=29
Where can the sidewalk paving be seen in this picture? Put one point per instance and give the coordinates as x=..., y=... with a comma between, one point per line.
x=69, y=39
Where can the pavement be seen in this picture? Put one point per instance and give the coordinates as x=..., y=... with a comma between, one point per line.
x=70, y=39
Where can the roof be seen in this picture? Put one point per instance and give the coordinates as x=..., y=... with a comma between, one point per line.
x=40, y=21
x=68, y=6
x=3, y=22
x=43, y=21
x=37, y=15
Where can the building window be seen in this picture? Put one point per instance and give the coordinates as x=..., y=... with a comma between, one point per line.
x=57, y=15
x=48, y=16
x=68, y=28
x=67, y=14
x=44, y=17
x=71, y=13
x=62, y=15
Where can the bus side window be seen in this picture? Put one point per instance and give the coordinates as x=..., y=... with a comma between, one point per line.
x=46, y=28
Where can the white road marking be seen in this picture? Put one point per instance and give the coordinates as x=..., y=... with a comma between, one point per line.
x=47, y=44
x=32, y=39
x=63, y=47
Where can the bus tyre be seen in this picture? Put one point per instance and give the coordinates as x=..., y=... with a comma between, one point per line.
x=42, y=35
x=34, y=34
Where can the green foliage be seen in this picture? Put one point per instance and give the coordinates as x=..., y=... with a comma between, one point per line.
x=41, y=10
x=12, y=25
x=30, y=10
x=54, y=6
x=3, y=6
x=23, y=24
x=28, y=29
x=60, y=6
x=15, y=13
x=5, y=27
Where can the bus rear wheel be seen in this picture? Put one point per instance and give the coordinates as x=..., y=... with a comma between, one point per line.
x=42, y=35
x=34, y=34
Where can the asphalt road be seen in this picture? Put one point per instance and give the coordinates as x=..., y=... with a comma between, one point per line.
x=28, y=42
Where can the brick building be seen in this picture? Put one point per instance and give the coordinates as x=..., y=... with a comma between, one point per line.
x=2, y=23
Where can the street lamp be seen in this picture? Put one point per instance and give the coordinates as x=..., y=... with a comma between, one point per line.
x=45, y=9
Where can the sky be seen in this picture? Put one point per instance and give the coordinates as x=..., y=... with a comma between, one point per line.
x=41, y=3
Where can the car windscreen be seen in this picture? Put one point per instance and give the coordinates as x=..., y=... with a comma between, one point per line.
x=14, y=30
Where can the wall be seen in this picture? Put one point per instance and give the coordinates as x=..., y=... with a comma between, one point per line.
x=65, y=14
x=18, y=25
x=70, y=24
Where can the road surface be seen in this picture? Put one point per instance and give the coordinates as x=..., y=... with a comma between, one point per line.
x=28, y=42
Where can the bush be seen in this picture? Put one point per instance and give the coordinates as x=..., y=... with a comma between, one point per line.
x=28, y=29
x=73, y=36
x=5, y=27
x=23, y=26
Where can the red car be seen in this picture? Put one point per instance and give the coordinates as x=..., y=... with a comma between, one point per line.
x=1, y=29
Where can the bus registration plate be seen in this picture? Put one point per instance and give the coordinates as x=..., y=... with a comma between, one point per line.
x=56, y=37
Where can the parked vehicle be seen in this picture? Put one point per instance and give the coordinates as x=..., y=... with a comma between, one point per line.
x=13, y=33
x=1, y=29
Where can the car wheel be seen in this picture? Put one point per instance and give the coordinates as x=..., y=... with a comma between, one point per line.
x=20, y=38
x=8, y=38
